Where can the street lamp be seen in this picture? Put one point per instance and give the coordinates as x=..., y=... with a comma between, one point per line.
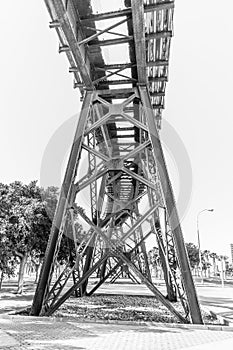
x=198, y=239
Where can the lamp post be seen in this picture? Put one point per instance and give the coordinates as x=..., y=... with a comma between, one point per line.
x=198, y=240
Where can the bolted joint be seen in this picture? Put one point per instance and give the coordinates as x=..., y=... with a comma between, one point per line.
x=73, y=70
x=78, y=85
x=63, y=48
x=54, y=24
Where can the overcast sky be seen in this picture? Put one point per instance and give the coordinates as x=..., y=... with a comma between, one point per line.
x=37, y=97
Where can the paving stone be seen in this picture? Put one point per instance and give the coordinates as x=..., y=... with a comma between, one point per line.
x=7, y=341
x=47, y=334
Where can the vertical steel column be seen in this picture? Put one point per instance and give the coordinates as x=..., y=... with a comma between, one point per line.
x=47, y=268
x=195, y=311
x=153, y=173
x=93, y=195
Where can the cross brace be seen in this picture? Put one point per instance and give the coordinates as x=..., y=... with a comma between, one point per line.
x=117, y=219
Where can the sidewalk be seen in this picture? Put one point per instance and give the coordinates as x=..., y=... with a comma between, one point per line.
x=36, y=333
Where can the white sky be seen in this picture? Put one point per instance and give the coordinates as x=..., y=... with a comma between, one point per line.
x=37, y=97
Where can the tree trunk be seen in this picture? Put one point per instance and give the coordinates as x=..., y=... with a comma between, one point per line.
x=1, y=279
x=23, y=260
x=37, y=269
x=214, y=265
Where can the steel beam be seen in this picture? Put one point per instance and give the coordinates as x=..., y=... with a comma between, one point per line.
x=127, y=39
x=115, y=250
x=94, y=36
x=58, y=9
x=157, y=94
x=157, y=63
x=157, y=79
x=96, y=153
x=65, y=193
x=195, y=311
x=76, y=285
x=117, y=265
x=117, y=66
x=127, y=12
x=139, y=178
x=94, y=177
x=139, y=39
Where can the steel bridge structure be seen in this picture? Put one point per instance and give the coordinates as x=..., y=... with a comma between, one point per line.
x=119, y=60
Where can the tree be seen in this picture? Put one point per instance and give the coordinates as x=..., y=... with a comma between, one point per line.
x=7, y=261
x=214, y=257
x=206, y=262
x=155, y=261
x=26, y=223
x=193, y=254
x=26, y=215
x=153, y=257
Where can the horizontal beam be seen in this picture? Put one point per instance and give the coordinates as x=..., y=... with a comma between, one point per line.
x=127, y=39
x=117, y=82
x=125, y=129
x=155, y=79
x=157, y=63
x=125, y=136
x=115, y=66
x=157, y=94
x=127, y=12
x=154, y=106
x=63, y=48
x=131, y=81
x=116, y=93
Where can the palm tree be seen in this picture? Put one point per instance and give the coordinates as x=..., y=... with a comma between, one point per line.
x=206, y=262
x=215, y=257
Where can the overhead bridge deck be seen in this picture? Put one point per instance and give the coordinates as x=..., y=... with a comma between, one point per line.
x=114, y=80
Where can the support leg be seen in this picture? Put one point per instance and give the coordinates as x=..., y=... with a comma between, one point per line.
x=47, y=268
x=195, y=311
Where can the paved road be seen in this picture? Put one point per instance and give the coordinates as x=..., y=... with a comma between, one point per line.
x=217, y=299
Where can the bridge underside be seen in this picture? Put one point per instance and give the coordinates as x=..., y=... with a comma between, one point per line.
x=116, y=197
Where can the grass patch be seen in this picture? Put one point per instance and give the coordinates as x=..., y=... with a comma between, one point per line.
x=122, y=308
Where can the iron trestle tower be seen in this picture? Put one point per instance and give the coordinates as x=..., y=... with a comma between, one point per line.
x=125, y=182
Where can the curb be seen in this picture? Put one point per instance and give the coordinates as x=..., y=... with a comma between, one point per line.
x=116, y=322
x=221, y=319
